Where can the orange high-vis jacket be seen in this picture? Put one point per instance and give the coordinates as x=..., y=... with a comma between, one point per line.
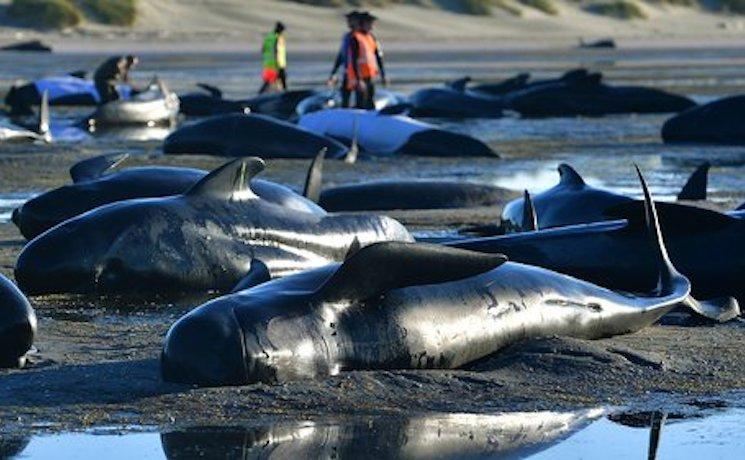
x=367, y=61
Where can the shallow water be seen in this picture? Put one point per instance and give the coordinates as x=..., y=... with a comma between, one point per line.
x=602, y=149
x=588, y=434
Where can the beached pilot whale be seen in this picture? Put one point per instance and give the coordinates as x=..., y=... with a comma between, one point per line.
x=397, y=305
x=323, y=100
x=400, y=194
x=386, y=135
x=718, y=122
x=212, y=102
x=11, y=132
x=204, y=239
x=589, y=96
x=95, y=183
x=155, y=106
x=17, y=325
x=572, y=201
x=244, y=134
x=428, y=436
x=69, y=90
x=449, y=102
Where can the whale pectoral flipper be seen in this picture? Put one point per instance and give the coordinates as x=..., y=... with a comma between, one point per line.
x=695, y=187
x=396, y=265
x=43, y=126
x=720, y=309
x=229, y=181
x=314, y=179
x=96, y=167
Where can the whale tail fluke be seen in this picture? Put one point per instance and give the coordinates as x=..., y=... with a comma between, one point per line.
x=314, y=178
x=695, y=187
x=530, y=218
x=43, y=124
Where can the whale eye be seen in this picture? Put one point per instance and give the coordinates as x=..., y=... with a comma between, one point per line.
x=110, y=274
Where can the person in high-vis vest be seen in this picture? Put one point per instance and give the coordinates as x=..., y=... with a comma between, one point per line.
x=274, y=59
x=364, y=63
x=341, y=58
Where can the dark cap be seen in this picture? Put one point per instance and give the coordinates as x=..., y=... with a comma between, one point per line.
x=354, y=14
x=366, y=16
x=279, y=27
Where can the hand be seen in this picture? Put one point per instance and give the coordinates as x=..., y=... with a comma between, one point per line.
x=331, y=81
x=361, y=86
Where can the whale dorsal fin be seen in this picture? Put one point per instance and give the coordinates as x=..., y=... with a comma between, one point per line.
x=257, y=274
x=569, y=177
x=213, y=90
x=353, y=248
x=695, y=188
x=354, y=148
x=43, y=123
x=575, y=74
x=530, y=219
x=459, y=84
x=381, y=267
x=95, y=167
x=314, y=179
x=230, y=181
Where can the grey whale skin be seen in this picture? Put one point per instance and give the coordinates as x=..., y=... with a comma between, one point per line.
x=718, y=122
x=590, y=97
x=17, y=325
x=241, y=135
x=426, y=307
x=94, y=186
x=205, y=239
x=392, y=195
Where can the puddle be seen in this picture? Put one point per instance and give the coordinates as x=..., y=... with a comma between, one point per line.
x=10, y=201
x=588, y=434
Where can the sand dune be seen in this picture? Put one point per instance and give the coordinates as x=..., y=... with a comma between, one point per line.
x=227, y=23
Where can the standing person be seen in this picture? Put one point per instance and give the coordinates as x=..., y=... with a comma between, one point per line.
x=365, y=62
x=274, y=58
x=113, y=71
x=342, y=56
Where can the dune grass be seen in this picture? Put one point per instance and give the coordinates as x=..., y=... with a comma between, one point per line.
x=114, y=12
x=45, y=14
x=545, y=6
x=621, y=9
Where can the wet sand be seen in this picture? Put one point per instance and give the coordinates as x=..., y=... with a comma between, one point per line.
x=97, y=359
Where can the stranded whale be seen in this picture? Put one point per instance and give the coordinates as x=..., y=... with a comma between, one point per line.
x=204, y=239
x=377, y=134
x=397, y=305
x=243, y=134
x=17, y=325
x=95, y=184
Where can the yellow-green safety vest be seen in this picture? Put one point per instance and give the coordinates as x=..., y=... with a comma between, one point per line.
x=271, y=60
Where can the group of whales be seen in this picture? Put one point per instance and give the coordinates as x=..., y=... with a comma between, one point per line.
x=316, y=293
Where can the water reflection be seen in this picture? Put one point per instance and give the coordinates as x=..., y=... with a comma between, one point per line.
x=514, y=435
x=691, y=432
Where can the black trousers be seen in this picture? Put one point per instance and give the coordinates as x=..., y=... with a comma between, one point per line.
x=365, y=99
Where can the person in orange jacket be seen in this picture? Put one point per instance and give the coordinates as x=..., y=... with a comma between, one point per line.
x=364, y=62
